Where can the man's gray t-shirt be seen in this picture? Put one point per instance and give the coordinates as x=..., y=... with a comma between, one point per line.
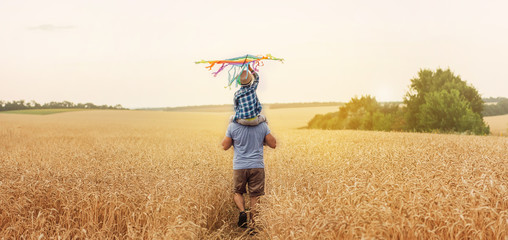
x=248, y=144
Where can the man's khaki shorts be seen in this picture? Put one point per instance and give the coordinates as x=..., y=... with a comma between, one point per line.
x=254, y=177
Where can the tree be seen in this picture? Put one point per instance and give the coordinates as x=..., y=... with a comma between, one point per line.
x=500, y=108
x=382, y=121
x=450, y=112
x=442, y=101
x=363, y=113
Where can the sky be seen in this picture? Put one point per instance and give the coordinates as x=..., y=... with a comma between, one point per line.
x=142, y=53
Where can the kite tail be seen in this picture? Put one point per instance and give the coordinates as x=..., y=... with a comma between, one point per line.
x=231, y=79
x=256, y=65
x=211, y=66
x=220, y=69
x=234, y=74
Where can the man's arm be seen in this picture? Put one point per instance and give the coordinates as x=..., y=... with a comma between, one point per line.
x=227, y=142
x=270, y=141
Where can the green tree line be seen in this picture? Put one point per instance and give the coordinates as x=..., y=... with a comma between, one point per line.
x=436, y=101
x=22, y=104
x=363, y=113
x=500, y=108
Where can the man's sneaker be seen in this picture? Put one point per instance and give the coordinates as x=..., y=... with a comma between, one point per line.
x=242, y=220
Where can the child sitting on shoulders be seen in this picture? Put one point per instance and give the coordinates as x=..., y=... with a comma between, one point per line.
x=246, y=102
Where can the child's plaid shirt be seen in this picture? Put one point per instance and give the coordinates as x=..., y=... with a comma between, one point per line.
x=246, y=101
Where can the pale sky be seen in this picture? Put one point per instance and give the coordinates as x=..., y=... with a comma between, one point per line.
x=142, y=53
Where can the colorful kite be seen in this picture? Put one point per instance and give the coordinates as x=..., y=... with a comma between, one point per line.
x=238, y=65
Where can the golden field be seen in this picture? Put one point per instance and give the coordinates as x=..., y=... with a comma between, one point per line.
x=498, y=125
x=163, y=175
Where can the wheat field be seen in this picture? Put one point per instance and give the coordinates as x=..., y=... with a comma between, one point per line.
x=498, y=124
x=163, y=175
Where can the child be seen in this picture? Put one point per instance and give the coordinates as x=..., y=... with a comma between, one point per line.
x=247, y=106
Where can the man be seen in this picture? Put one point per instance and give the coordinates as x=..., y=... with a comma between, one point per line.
x=248, y=163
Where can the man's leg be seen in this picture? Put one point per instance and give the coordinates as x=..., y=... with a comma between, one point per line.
x=240, y=203
x=253, y=202
x=256, y=189
x=242, y=218
x=240, y=180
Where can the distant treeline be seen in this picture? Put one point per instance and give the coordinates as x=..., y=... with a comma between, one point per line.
x=22, y=104
x=500, y=108
x=300, y=105
x=198, y=108
x=493, y=99
x=437, y=101
x=229, y=107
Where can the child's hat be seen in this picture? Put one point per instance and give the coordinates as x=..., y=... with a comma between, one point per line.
x=246, y=77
